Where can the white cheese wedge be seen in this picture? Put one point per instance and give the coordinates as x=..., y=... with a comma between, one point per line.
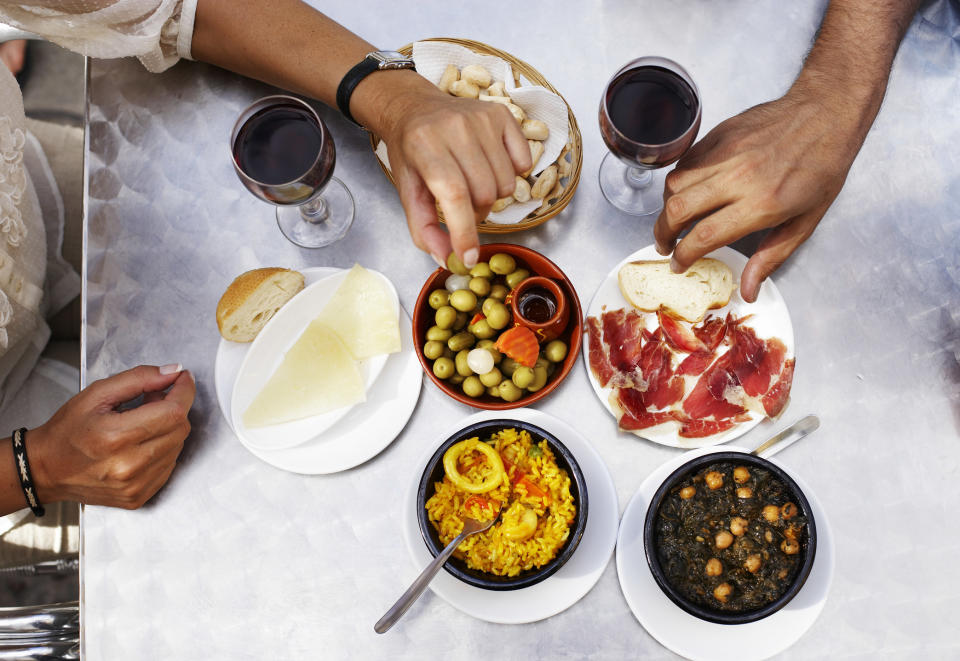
x=363, y=314
x=317, y=375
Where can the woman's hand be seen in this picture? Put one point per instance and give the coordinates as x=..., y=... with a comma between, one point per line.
x=776, y=166
x=92, y=453
x=460, y=154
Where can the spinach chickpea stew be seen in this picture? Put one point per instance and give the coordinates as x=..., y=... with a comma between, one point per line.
x=729, y=537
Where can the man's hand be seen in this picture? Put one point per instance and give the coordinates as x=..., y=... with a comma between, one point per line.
x=459, y=154
x=92, y=453
x=777, y=166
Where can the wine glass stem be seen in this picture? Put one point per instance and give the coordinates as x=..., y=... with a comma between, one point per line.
x=315, y=211
x=638, y=177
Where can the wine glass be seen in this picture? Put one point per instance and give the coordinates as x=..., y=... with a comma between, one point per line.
x=284, y=154
x=649, y=116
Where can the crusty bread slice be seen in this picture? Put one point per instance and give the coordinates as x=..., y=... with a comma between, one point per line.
x=706, y=285
x=252, y=299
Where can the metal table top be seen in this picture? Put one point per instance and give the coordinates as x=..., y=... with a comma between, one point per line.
x=235, y=559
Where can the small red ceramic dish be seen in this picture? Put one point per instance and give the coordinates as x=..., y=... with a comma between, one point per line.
x=543, y=299
x=537, y=265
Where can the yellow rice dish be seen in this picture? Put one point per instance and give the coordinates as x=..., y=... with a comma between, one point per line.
x=511, y=472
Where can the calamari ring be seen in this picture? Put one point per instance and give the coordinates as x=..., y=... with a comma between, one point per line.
x=454, y=453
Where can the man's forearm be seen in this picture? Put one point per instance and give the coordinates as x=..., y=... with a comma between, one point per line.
x=851, y=58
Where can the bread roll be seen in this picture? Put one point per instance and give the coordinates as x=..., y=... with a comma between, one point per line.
x=252, y=299
x=706, y=285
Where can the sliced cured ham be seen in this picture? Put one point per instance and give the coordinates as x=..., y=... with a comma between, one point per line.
x=623, y=331
x=708, y=400
x=598, y=355
x=634, y=413
x=775, y=398
x=703, y=428
x=664, y=387
x=695, y=363
x=679, y=336
x=711, y=332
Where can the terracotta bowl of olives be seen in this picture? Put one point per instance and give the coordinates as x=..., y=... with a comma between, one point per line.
x=465, y=328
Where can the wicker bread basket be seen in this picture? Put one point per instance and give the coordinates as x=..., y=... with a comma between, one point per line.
x=520, y=69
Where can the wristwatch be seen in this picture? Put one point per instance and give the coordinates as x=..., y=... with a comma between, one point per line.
x=380, y=60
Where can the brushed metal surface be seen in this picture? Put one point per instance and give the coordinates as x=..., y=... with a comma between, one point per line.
x=235, y=559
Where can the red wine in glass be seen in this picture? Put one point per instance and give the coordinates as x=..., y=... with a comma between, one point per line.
x=284, y=154
x=649, y=117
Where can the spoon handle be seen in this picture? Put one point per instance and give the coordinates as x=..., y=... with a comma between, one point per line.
x=790, y=435
x=416, y=589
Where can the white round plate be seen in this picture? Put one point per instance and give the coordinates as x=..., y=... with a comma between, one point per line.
x=363, y=432
x=770, y=319
x=692, y=637
x=267, y=351
x=573, y=580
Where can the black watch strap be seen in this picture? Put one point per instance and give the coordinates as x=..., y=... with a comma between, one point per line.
x=364, y=68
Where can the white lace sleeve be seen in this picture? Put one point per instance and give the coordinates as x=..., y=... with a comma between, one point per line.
x=159, y=32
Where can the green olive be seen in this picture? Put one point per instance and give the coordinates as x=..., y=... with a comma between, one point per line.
x=516, y=277
x=556, y=351
x=461, y=341
x=481, y=330
x=481, y=270
x=494, y=391
x=510, y=392
x=463, y=368
x=443, y=368
x=438, y=298
x=433, y=350
x=522, y=377
x=445, y=317
x=438, y=334
x=455, y=265
x=502, y=264
x=508, y=366
x=491, y=378
x=463, y=300
x=542, y=362
x=472, y=387
x=457, y=379
x=447, y=353
x=499, y=292
x=499, y=316
x=461, y=321
x=479, y=286
x=539, y=379
x=490, y=346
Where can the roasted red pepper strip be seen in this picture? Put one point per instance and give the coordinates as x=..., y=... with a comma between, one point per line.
x=519, y=476
x=484, y=503
x=521, y=344
x=477, y=317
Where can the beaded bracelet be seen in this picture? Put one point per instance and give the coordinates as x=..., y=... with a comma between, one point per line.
x=23, y=471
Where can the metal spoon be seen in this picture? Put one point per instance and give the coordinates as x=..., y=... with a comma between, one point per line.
x=470, y=527
x=790, y=435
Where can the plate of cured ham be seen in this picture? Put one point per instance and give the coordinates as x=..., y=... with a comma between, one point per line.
x=688, y=384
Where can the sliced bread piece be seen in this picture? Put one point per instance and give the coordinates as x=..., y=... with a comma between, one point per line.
x=252, y=299
x=706, y=285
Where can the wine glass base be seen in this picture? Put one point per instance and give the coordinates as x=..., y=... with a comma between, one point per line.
x=630, y=194
x=297, y=225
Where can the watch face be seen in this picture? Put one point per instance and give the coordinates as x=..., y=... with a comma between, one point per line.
x=390, y=59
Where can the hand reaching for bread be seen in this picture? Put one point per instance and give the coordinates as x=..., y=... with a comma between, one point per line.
x=93, y=453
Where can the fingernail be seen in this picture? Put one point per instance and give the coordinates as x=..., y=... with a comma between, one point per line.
x=438, y=261
x=172, y=368
x=675, y=265
x=470, y=258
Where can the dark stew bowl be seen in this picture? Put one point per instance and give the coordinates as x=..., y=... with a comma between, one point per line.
x=434, y=473
x=655, y=544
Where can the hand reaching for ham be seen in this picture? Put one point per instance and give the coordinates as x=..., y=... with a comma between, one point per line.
x=776, y=166
x=92, y=453
x=459, y=154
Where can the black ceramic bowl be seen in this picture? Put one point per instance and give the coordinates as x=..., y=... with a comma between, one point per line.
x=433, y=473
x=650, y=539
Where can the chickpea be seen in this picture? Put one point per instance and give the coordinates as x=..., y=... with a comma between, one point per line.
x=723, y=539
x=740, y=474
x=771, y=513
x=790, y=546
x=687, y=493
x=721, y=592
x=714, y=567
x=438, y=298
x=768, y=536
x=753, y=563
x=738, y=525
x=791, y=532
x=782, y=574
x=714, y=480
x=744, y=493
x=788, y=510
